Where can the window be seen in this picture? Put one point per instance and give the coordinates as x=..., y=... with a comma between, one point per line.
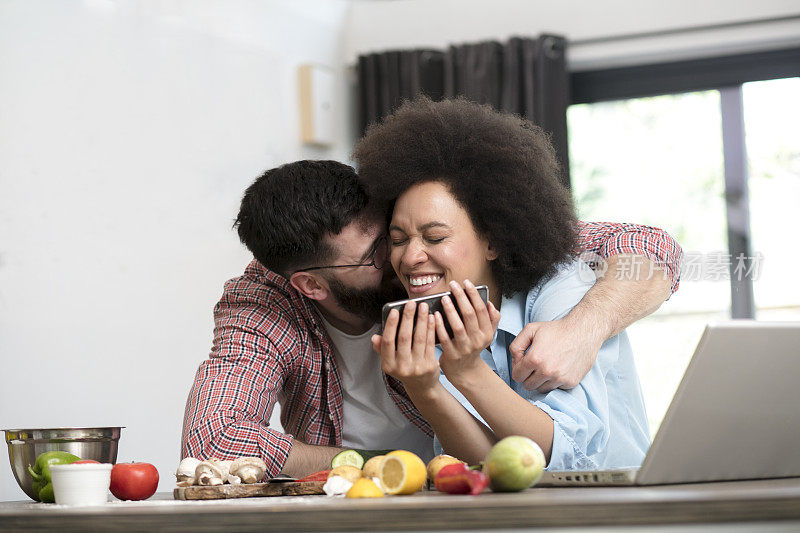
x=659, y=161
x=772, y=115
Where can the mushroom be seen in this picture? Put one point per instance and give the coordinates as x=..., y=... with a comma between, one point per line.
x=185, y=473
x=211, y=472
x=249, y=469
x=228, y=477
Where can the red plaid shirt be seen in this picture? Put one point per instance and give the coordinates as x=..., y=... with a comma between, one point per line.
x=605, y=239
x=270, y=346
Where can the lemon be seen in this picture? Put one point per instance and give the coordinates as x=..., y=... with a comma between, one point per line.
x=402, y=472
x=349, y=472
x=439, y=462
x=372, y=466
x=515, y=463
x=364, y=488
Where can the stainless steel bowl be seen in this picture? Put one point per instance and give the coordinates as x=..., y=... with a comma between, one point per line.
x=25, y=445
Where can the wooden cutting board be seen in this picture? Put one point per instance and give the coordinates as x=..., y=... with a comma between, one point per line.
x=252, y=490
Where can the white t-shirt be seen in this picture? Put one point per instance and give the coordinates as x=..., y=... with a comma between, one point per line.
x=372, y=420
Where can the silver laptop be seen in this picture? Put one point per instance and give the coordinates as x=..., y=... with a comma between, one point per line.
x=735, y=415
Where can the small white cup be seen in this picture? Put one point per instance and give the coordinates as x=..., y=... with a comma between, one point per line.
x=83, y=484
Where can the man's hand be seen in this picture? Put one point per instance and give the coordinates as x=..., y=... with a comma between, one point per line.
x=552, y=355
x=558, y=354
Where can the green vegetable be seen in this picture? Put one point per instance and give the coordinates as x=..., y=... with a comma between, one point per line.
x=348, y=457
x=355, y=458
x=42, y=485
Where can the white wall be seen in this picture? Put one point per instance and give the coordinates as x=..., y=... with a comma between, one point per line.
x=128, y=132
x=403, y=24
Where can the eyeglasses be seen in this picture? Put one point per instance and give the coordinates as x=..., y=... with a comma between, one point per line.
x=377, y=258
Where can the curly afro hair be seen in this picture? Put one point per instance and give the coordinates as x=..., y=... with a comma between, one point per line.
x=501, y=168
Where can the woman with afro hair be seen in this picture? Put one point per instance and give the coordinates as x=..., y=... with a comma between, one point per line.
x=473, y=198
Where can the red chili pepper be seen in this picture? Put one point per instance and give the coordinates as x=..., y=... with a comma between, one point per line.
x=322, y=475
x=459, y=479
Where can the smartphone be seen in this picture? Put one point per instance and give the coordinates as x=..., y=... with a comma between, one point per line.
x=434, y=302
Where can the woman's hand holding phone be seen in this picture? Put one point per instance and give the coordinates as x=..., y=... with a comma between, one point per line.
x=408, y=352
x=461, y=354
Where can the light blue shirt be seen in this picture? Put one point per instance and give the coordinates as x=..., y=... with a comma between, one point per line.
x=599, y=424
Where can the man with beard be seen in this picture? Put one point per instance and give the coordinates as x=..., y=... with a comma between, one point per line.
x=295, y=328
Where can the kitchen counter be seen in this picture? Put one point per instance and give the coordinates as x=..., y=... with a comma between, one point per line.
x=751, y=501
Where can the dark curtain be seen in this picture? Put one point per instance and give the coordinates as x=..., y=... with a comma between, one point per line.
x=384, y=80
x=523, y=76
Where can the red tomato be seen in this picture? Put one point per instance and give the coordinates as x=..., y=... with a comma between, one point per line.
x=134, y=481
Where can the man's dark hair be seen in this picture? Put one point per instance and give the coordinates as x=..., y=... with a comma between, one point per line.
x=501, y=169
x=288, y=211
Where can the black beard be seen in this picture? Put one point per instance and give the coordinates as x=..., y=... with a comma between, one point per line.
x=367, y=303
x=364, y=303
x=391, y=288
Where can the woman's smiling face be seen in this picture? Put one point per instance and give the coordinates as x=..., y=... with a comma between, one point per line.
x=433, y=242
